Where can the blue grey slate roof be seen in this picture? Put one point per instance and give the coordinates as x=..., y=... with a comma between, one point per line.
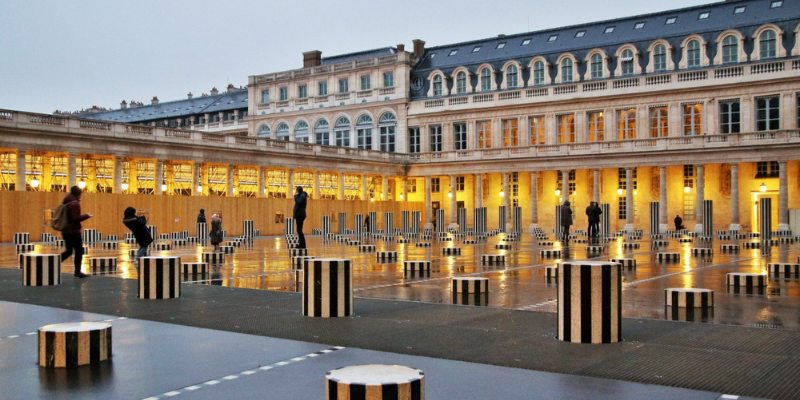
x=721, y=17
x=235, y=99
x=361, y=55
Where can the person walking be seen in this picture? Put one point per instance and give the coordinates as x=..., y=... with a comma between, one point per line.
x=138, y=226
x=678, y=223
x=216, y=231
x=566, y=220
x=201, y=218
x=73, y=240
x=299, y=214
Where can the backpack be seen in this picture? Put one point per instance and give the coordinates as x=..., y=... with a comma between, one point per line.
x=60, y=219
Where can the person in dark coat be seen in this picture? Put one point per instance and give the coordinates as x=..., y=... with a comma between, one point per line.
x=678, y=223
x=299, y=214
x=138, y=226
x=593, y=213
x=215, y=234
x=566, y=220
x=201, y=218
x=73, y=240
x=366, y=223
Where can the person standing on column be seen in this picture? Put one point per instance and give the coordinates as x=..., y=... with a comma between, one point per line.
x=566, y=220
x=73, y=240
x=299, y=214
x=201, y=218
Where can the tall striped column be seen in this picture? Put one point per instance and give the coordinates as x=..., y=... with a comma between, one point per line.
x=159, y=277
x=373, y=221
x=605, y=220
x=388, y=223
x=765, y=219
x=153, y=231
x=480, y=220
x=358, y=224
x=342, y=222
x=517, y=225
x=327, y=288
x=326, y=225
x=202, y=232
x=288, y=226
x=589, y=302
x=557, y=223
x=708, y=218
x=416, y=217
x=461, y=219
x=440, y=222
x=405, y=222
x=654, y=218
x=501, y=218
x=248, y=228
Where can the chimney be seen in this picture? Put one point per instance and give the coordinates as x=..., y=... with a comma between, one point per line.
x=401, y=48
x=189, y=95
x=231, y=88
x=312, y=58
x=123, y=105
x=214, y=91
x=154, y=101
x=419, y=48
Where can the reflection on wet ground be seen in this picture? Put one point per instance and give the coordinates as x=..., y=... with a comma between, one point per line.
x=519, y=284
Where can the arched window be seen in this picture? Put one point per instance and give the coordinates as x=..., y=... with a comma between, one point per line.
x=693, y=54
x=387, y=124
x=486, y=80
x=566, y=70
x=730, y=49
x=263, y=130
x=627, y=62
x=301, y=131
x=660, y=58
x=767, y=44
x=538, y=73
x=437, y=85
x=364, y=131
x=282, y=131
x=322, y=132
x=511, y=77
x=597, y=66
x=461, y=83
x=341, y=131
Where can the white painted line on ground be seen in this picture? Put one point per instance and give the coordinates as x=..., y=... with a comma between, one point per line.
x=36, y=332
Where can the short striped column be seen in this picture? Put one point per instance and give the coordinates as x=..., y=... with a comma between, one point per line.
x=451, y=251
x=353, y=242
x=423, y=244
x=751, y=245
x=213, y=258
x=376, y=381
x=729, y=248
x=180, y=242
x=130, y=240
x=660, y=243
x=40, y=269
x=103, y=265
x=417, y=266
x=625, y=262
x=162, y=246
x=493, y=259
x=159, y=277
x=589, y=302
x=22, y=238
x=702, y=251
x=25, y=248
x=327, y=288
x=366, y=248
x=503, y=246
x=226, y=249
x=551, y=273
x=470, y=290
x=109, y=245
x=74, y=344
x=546, y=243
x=593, y=250
x=48, y=237
x=551, y=253
x=299, y=261
x=685, y=240
x=630, y=245
x=749, y=281
x=386, y=255
x=688, y=304
x=91, y=235
x=668, y=257
x=403, y=240
x=112, y=238
x=193, y=271
x=298, y=252
x=132, y=252
x=784, y=270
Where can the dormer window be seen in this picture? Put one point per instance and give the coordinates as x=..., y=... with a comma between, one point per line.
x=452, y=53
x=609, y=29
x=525, y=42
x=476, y=49
x=501, y=45
x=671, y=20
x=639, y=25
x=775, y=4
x=703, y=15
x=552, y=38
x=739, y=10
x=580, y=34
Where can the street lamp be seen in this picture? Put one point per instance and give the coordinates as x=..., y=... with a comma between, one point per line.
x=502, y=193
x=82, y=184
x=558, y=192
x=164, y=185
x=449, y=195
x=124, y=186
x=620, y=191
x=763, y=187
x=687, y=189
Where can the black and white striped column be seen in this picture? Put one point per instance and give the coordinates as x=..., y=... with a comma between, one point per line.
x=299, y=261
x=103, y=265
x=750, y=282
x=517, y=225
x=589, y=302
x=654, y=218
x=461, y=219
x=405, y=223
x=605, y=220
x=22, y=238
x=441, y=223
x=202, y=232
x=688, y=304
x=25, y=248
x=559, y=231
x=248, y=228
x=479, y=220
x=765, y=219
x=358, y=225
x=153, y=231
x=502, y=217
x=327, y=288
x=382, y=256
x=342, y=223
x=493, y=259
x=784, y=270
x=159, y=277
x=417, y=266
x=74, y=344
x=288, y=226
x=213, y=258
x=91, y=235
x=708, y=218
x=194, y=271
x=388, y=223
x=40, y=269
x=416, y=217
x=326, y=225
x=385, y=382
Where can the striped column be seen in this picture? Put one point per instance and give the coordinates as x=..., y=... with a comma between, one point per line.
x=193, y=271
x=461, y=219
x=326, y=225
x=388, y=223
x=22, y=238
x=589, y=302
x=90, y=235
x=765, y=219
x=655, y=218
x=102, y=265
x=153, y=231
x=159, y=277
x=480, y=220
x=40, y=269
x=416, y=217
x=557, y=223
x=708, y=219
x=605, y=220
x=248, y=228
x=751, y=282
x=202, y=232
x=441, y=224
x=327, y=288
x=288, y=226
x=405, y=222
x=74, y=344
x=501, y=218
x=213, y=258
x=358, y=225
x=470, y=290
x=373, y=221
x=517, y=220
x=688, y=304
x=342, y=222
x=25, y=248
x=386, y=382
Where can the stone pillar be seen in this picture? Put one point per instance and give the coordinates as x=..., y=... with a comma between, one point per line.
x=364, y=187
x=428, y=211
x=384, y=188
x=341, y=186
x=261, y=192
x=534, y=199
x=159, y=177
x=629, y=217
x=402, y=190
x=506, y=194
x=21, y=171
x=72, y=171
x=565, y=184
x=231, y=180
x=117, y=175
x=698, y=227
x=452, y=183
x=735, y=226
x=477, y=187
x=197, y=181
x=317, y=194
x=290, y=188
x=783, y=197
x=596, y=185
x=662, y=199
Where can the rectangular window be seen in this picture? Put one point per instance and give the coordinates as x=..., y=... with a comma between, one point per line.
x=284, y=93
x=622, y=178
x=460, y=135
x=767, y=169
x=343, y=86
x=302, y=91
x=768, y=114
x=365, y=82
x=797, y=109
x=626, y=124
x=596, y=126
x=265, y=96
x=459, y=184
x=388, y=79
x=570, y=181
x=322, y=88
x=537, y=133
x=510, y=132
x=387, y=138
x=622, y=204
x=435, y=133
x=435, y=185
x=342, y=137
x=411, y=186
x=566, y=128
x=364, y=138
x=659, y=122
x=692, y=119
x=484, y=133
x=729, y=116
x=413, y=140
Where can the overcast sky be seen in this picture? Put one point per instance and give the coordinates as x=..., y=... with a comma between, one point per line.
x=70, y=55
